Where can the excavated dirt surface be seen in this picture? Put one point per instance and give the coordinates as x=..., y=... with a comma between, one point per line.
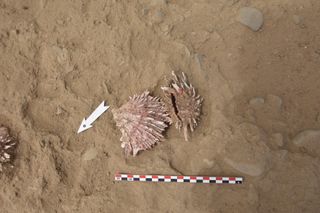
x=260, y=117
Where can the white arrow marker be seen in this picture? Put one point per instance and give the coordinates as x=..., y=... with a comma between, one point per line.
x=86, y=123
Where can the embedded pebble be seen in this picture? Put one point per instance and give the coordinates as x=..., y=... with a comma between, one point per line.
x=62, y=55
x=209, y=163
x=165, y=29
x=60, y=110
x=256, y=101
x=309, y=140
x=90, y=154
x=251, y=17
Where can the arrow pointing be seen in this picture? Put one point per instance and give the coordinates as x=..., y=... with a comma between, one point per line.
x=87, y=123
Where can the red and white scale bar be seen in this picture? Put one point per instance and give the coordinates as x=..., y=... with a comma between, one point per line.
x=178, y=179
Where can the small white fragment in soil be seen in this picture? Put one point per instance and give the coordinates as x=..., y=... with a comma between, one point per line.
x=251, y=17
x=209, y=163
x=59, y=110
x=90, y=154
x=256, y=101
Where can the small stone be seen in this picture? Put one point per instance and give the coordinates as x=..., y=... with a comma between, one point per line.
x=62, y=55
x=59, y=110
x=209, y=163
x=90, y=154
x=165, y=29
x=256, y=101
x=309, y=140
x=251, y=17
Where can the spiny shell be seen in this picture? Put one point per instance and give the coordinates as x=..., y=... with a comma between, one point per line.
x=141, y=121
x=7, y=147
x=185, y=104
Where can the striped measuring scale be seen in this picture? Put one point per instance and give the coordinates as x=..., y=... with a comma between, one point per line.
x=177, y=179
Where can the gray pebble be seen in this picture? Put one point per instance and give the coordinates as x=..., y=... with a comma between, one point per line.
x=251, y=17
x=256, y=101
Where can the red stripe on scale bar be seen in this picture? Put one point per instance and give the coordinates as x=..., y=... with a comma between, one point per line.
x=181, y=178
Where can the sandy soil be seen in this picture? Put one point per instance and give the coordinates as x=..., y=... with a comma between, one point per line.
x=59, y=59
